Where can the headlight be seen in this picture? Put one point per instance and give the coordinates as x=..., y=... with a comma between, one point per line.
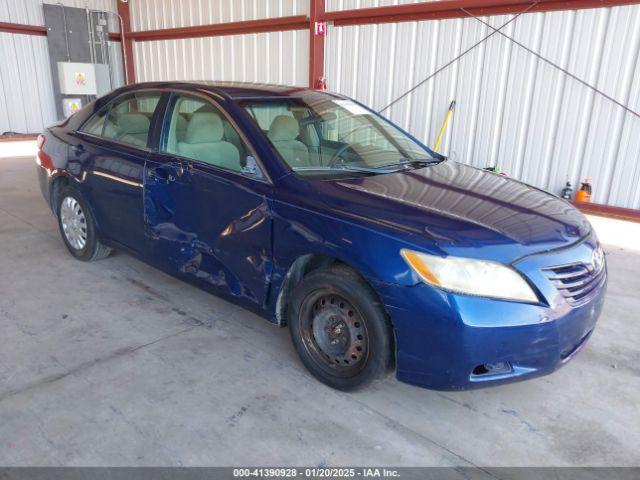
x=470, y=277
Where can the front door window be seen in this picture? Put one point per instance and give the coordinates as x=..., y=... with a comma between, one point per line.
x=200, y=131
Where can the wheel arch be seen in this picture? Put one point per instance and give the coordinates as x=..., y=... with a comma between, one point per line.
x=307, y=263
x=302, y=266
x=57, y=184
x=65, y=180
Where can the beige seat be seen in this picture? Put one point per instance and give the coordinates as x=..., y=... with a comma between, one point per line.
x=283, y=133
x=203, y=141
x=134, y=128
x=232, y=136
x=181, y=127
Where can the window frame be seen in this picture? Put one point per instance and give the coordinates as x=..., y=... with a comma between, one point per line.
x=158, y=110
x=174, y=94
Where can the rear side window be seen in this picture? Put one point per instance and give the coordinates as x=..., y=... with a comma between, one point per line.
x=127, y=119
x=95, y=125
x=200, y=131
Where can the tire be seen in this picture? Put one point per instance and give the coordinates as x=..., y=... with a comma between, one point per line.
x=340, y=329
x=77, y=226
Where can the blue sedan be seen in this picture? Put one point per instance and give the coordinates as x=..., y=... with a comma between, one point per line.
x=320, y=215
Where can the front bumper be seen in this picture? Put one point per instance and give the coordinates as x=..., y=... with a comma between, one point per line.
x=443, y=338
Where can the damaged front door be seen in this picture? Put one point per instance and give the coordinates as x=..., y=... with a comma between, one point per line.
x=205, y=202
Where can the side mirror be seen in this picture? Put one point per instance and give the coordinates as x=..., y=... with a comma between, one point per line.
x=251, y=167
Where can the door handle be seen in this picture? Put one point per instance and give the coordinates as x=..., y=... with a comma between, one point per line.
x=167, y=173
x=162, y=175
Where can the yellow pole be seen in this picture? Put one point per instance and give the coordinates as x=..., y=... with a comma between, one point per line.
x=447, y=119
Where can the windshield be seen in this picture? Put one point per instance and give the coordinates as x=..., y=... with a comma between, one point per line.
x=332, y=136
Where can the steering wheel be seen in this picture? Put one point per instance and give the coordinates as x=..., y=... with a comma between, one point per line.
x=337, y=154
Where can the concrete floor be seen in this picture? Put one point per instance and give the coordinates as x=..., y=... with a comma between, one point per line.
x=116, y=363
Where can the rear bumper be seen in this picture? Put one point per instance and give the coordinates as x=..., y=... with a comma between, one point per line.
x=44, y=180
x=442, y=338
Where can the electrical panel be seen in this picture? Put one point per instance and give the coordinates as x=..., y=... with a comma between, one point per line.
x=77, y=78
x=103, y=79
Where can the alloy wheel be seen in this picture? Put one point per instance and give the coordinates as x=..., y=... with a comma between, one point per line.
x=74, y=223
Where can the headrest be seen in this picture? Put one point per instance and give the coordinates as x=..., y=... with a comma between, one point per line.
x=283, y=127
x=204, y=127
x=133, y=123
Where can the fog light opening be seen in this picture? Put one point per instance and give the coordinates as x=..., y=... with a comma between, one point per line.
x=491, y=368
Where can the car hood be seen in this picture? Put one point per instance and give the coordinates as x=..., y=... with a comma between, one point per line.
x=461, y=209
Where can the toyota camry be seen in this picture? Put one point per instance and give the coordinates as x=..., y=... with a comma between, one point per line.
x=320, y=215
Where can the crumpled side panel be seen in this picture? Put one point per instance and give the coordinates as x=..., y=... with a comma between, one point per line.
x=214, y=230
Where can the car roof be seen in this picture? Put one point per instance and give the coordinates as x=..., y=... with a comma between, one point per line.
x=234, y=90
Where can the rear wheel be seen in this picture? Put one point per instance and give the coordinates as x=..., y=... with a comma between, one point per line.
x=340, y=329
x=77, y=227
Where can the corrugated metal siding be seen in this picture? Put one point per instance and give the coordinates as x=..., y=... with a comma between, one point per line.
x=158, y=14
x=333, y=5
x=117, y=65
x=26, y=92
x=278, y=57
x=26, y=99
x=514, y=110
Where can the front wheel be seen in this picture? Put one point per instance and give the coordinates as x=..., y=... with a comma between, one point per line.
x=77, y=227
x=340, y=329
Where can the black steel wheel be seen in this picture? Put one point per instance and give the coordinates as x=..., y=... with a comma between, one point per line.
x=340, y=329
x=333, y=332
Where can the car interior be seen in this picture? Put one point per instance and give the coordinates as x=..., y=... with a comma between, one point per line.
x=296, y=141
x=305, y=139
x=202, y=133
x=283, y=133
x=204, y=140
x=197, y=130
x=131, y=127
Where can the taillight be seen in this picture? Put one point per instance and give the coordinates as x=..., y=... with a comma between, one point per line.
x=42, y=158
x=40, y=141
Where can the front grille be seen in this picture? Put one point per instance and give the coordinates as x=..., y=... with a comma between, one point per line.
x=577, y=280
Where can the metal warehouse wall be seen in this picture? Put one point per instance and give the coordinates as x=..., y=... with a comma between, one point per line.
x=278, y=57
x=27, y=101
x=29, y=12
x=157, y=14
x=513, y=110
x=333, y=5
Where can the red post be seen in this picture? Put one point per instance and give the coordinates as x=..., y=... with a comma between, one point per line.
x=127, y=44
x=316, y=44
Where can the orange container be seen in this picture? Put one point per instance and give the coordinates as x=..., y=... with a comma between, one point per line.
x=584, y=194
